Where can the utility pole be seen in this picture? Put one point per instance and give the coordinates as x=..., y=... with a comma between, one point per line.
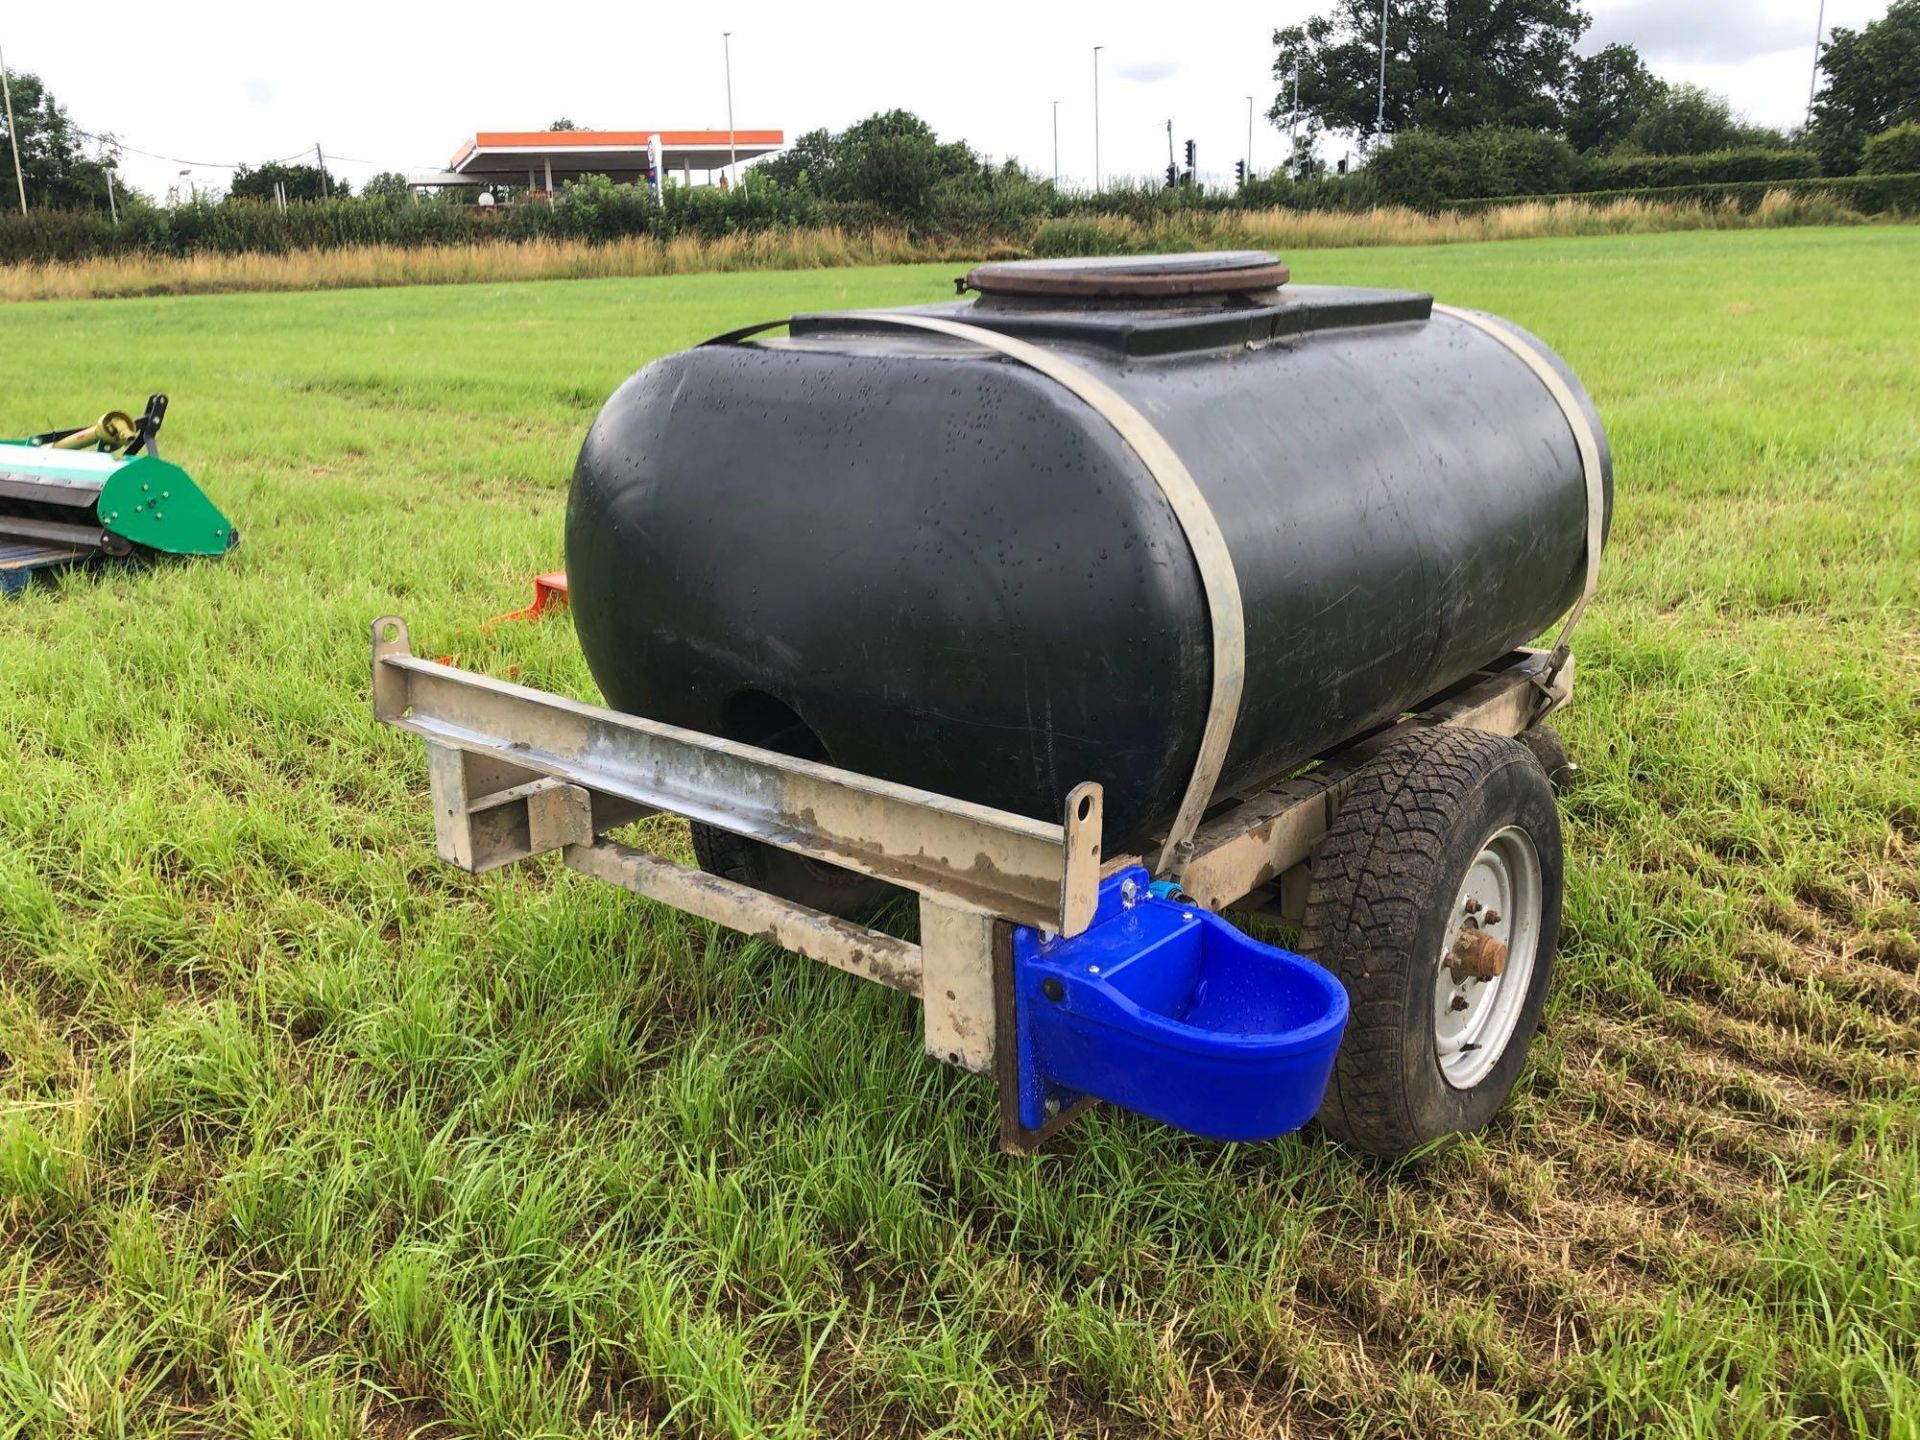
x=1056, y=144
x=1813, y=83
x=1380, y=117
x=1170, y=164
x=733, y=157
x=1096, y=116
x=13, y=135
x=113, y=209
x=1249, y=137
x=320, y=161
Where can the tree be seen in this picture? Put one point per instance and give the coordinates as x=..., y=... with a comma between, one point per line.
x=1451, y=64
x=563, y=124
x=1893, y=152
x=1872, y=84
x=1610, y=92
x=388, y=185
x=56, y=173
x=810, y=155
x=1687, y=120
x=895, y=161
x=300, y=182
x=892, y=161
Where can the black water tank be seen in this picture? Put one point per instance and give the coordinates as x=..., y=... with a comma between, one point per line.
x=932, y=564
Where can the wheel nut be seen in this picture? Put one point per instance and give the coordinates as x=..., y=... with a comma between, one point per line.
x=1472, y=906
x=1492, y=917
x=1457, y=1004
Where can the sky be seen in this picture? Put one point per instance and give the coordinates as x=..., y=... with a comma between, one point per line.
x=398, y=86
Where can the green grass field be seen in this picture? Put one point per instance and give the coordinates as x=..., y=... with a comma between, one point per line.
x=304, y=1134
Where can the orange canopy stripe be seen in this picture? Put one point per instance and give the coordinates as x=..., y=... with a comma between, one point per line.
x=562, y=142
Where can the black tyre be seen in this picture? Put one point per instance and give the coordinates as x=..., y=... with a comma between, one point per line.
x=792, y=877
x=1551, y=751
x=1437, y=832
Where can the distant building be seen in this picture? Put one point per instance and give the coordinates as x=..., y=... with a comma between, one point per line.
x=542, y=159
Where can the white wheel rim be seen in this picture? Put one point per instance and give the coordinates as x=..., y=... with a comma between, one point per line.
x=1473, y=1020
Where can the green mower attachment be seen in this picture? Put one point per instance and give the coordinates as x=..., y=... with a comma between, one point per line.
x=73, y=495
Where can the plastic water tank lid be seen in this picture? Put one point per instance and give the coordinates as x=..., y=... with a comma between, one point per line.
x=1203, y=272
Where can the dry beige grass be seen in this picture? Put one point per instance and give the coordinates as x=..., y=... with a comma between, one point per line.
x=1283, y=229
x=364, y=266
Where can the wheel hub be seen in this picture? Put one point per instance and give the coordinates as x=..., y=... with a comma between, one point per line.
x=1485, y=965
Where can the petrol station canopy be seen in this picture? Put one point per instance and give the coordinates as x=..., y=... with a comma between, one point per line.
x=541, y=159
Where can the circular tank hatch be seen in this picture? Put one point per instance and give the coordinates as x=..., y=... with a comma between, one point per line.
x=1132, y=277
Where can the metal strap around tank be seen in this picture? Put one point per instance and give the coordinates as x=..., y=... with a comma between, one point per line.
x=1219, y=582
x=1591, y=471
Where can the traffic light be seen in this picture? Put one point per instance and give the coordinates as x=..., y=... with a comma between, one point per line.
x=1173, y=177
x=1240, y=172
x=1190, y=154
x=1343, y=165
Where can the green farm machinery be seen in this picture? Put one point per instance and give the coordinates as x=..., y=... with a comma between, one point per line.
x=69, y=496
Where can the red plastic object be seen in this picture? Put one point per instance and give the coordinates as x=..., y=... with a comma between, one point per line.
x=549, y=590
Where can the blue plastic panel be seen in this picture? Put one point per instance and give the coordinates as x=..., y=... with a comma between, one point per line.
x=1163, y=1008
x=20, y=560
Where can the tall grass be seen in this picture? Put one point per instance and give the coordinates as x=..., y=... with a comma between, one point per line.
x=1284, y=229
x=807, y=248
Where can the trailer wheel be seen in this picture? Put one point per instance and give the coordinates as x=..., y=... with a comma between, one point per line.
x=1435, y=899
x=1551, y=751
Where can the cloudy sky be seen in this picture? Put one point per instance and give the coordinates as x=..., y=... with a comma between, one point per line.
x=398, y=85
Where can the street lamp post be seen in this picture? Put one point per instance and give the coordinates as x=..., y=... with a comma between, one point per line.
x=1813, y=81
x=1096, y=116
x=1380, y=116
x=13, y=136
x=1249, y=137
x=726, y=52
x=1293, y=123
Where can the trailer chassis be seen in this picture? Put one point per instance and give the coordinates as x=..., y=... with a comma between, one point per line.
x=516, y=772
